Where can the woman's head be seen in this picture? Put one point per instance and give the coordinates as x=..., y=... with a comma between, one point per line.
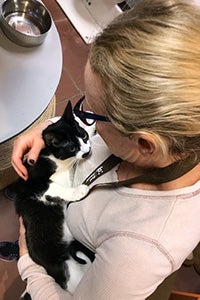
x=148, y=63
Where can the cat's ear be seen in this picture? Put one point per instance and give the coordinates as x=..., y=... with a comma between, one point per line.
x=48, y=138
x=51, y=140
x=68, y=113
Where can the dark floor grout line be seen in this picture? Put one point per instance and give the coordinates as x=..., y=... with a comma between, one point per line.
x=61, y=20
x=62, y=11
x=70, y=98
x=74, y=82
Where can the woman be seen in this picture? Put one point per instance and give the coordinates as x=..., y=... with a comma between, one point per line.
x=143, y=78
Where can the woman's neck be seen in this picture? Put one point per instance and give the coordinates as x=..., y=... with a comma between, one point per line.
x=127, y=170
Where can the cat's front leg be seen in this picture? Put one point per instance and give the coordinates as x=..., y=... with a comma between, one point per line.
x=79, y=192
x=65, y=194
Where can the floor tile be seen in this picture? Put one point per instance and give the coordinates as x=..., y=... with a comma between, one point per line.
x=187, y=280
x=66, y=89
x=11, y=285
x=54, y=9
x=75, y=53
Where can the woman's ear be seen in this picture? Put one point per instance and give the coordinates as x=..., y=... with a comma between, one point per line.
x=146, y=145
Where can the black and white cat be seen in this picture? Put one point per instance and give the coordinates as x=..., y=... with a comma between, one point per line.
x=42, y=202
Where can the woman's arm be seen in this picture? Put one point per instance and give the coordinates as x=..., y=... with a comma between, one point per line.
x=124, y=268
x=39, y=284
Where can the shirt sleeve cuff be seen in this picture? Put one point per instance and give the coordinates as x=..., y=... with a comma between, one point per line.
x=26, y=264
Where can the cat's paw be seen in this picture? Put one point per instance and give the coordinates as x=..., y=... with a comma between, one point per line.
x=80, y=192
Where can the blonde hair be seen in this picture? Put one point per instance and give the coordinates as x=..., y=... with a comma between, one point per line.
x=148, y=61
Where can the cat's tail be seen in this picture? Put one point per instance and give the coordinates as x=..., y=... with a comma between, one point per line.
x=75, y=246
x=25, y=296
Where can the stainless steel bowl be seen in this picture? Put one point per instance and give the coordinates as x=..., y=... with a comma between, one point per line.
x=25, y=22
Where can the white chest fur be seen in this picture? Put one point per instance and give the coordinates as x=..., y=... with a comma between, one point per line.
x=64, y=172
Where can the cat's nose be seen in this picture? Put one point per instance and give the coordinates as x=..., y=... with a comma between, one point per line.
x=85, y=154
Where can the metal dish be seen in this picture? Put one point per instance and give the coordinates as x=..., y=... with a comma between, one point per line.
x=25, y=22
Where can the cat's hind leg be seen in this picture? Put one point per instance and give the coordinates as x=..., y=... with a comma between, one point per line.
x=60, y=272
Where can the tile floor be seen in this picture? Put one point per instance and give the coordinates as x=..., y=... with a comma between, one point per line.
x=75, y=53
x=71, y=87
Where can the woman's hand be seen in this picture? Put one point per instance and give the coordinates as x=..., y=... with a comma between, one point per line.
x=22, y=239
x=31, y=144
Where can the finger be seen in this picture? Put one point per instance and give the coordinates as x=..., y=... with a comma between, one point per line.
x=31, y=144
x=19, y=168
x=34, y=152
x=37, y=143
x=17, y=163
x=21, y=171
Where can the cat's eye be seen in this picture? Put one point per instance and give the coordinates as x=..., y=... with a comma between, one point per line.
x=55, y=142
x=72, y=148
x=84, y=136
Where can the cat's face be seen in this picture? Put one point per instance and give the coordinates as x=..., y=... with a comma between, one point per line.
x=66, y=138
